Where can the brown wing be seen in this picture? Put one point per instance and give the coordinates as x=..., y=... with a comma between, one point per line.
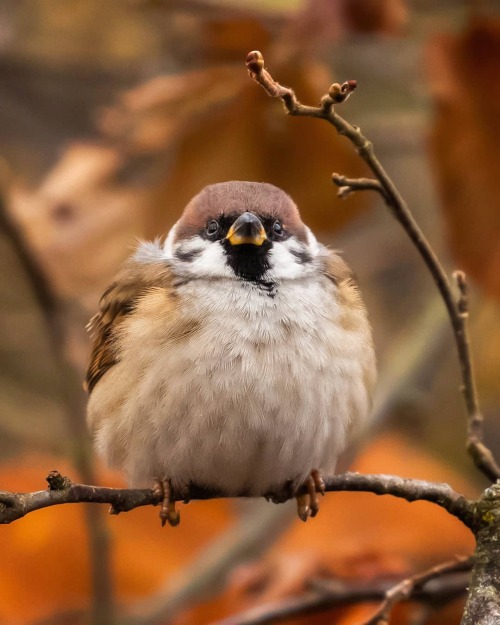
x=337, y=270
x=352, y=309
x=119, y=300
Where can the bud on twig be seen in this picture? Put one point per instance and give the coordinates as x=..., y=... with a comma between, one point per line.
x=255, y=62
x=57, y=481
x=340, y=93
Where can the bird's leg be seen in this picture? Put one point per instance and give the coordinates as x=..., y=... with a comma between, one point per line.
x=307, y=503
x=163, y=488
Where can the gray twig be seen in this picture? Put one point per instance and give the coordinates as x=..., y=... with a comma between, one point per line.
x=408, y=588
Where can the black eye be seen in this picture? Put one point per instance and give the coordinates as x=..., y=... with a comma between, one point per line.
x=277, y=228
x=212, y=228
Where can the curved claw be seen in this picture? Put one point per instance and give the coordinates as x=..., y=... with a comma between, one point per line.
x=168, y=512
x=308, y=503
x=303, y=508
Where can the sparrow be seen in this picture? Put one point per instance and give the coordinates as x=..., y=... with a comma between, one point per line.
x=236, y=356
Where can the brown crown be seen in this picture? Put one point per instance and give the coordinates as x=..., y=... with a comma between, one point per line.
x=235, y=198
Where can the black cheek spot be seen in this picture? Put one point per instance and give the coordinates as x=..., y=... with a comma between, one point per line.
x=188, y=256
x=302, y=256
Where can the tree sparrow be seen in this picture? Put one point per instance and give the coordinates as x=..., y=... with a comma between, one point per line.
x=236, y=357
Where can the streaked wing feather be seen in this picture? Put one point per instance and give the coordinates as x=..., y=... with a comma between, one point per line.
x=118, y=301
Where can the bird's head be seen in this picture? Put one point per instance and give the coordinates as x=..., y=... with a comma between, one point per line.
x=244, y=230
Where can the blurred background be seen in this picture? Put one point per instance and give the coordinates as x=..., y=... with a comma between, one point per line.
x=112, y=116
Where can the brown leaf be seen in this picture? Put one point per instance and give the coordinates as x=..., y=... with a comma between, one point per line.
x=375, y=16
x=464, y=72
x=224, y=38
x=79, y=222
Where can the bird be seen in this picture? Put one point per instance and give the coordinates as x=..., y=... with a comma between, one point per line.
x=235, y=355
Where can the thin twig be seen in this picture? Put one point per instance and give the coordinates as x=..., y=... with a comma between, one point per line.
x=349, y=185
x=406, y=588
x=14, y=506
x=449, y=581
x=457, y=311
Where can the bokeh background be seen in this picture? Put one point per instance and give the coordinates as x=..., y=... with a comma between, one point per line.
x=112, y=115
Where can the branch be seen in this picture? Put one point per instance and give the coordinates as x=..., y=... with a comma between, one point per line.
x=457, y=310
x=448, y=579
x=410, y=489
x=483, y=600
x=14, y=506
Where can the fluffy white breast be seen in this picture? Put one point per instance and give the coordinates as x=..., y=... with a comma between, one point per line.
x=262, y=392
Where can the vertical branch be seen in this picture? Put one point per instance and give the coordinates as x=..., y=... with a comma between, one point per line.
x=72, y=397
x=483, y=600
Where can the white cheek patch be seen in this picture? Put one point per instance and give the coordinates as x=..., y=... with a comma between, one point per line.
x=285, y=264
x=196, y=257
x=208, y=260
x=212, y=262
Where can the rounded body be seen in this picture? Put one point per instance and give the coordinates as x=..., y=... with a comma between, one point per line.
x=236, y=386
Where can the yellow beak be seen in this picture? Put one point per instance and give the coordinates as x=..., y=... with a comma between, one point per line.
x=247, y=230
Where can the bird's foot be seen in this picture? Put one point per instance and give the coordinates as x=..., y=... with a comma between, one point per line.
x=308, y=503
x=168, y=512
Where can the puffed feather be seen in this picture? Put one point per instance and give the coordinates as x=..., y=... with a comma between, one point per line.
x=134, y=281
